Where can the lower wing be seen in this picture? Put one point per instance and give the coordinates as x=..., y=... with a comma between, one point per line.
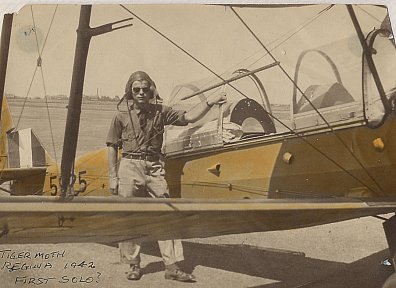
x=40, y=219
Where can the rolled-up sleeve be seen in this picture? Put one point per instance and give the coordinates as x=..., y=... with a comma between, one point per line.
x=115, y=132
x=174, y=117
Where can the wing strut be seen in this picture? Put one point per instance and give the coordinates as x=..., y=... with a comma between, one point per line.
x=368, y=53
x=84, y=35
x=5, y=45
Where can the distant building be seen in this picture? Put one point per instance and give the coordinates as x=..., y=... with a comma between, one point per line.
x=94, y=98
x=57, y=97
x=10, y=95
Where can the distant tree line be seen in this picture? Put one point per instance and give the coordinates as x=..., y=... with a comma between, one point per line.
x=65, y=97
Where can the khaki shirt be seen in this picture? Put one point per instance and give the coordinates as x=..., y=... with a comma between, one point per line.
x=127, y=131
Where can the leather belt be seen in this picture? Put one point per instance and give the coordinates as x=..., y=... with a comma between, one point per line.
x=151, y=158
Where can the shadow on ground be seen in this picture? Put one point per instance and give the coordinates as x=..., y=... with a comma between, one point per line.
x=290, y=269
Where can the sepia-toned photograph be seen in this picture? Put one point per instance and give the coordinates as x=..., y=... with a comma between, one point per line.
x=198, y=145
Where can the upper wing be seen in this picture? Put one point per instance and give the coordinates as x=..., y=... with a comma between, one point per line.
x=32, y=219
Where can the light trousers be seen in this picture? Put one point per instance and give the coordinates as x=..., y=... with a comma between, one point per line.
x=142, y=178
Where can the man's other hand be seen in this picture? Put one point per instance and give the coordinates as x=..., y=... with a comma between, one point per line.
x=113, y=185
x=220, y=98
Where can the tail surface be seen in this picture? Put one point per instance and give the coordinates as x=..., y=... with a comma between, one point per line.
x=5, y=125
x=24, y=163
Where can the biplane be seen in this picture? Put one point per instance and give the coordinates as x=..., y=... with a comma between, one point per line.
x=306, y=137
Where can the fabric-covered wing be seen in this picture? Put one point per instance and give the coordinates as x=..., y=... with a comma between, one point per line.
x=38, y=219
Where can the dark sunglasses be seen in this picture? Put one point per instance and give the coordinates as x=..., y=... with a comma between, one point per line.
x=137, y=89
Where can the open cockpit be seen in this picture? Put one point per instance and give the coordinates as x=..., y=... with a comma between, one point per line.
x=329, y=87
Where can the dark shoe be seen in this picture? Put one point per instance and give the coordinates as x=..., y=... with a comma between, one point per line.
x=134, y=273
x=179, y=275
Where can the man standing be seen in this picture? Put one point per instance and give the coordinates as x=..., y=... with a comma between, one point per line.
x=139, y=132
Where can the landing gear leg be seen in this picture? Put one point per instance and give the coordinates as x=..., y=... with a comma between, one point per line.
x=390, y=232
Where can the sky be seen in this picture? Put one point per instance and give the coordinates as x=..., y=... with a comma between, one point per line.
x=212, y=34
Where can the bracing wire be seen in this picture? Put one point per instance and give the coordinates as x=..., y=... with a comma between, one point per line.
x=243, y=94
x=311, y=145
x=34, y=74
x=288, y=128
x=40, y=53
x=39, y=62
x=299, y=135
x=291, y=33
x=32, y=80
x=303, y=26
x=369, y=14
x=309, y=101
x=180, y=48
x=26, y=97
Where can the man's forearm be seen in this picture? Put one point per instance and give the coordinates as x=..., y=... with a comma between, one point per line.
x=112, y=160
x=197, y=113
x=204, y=107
